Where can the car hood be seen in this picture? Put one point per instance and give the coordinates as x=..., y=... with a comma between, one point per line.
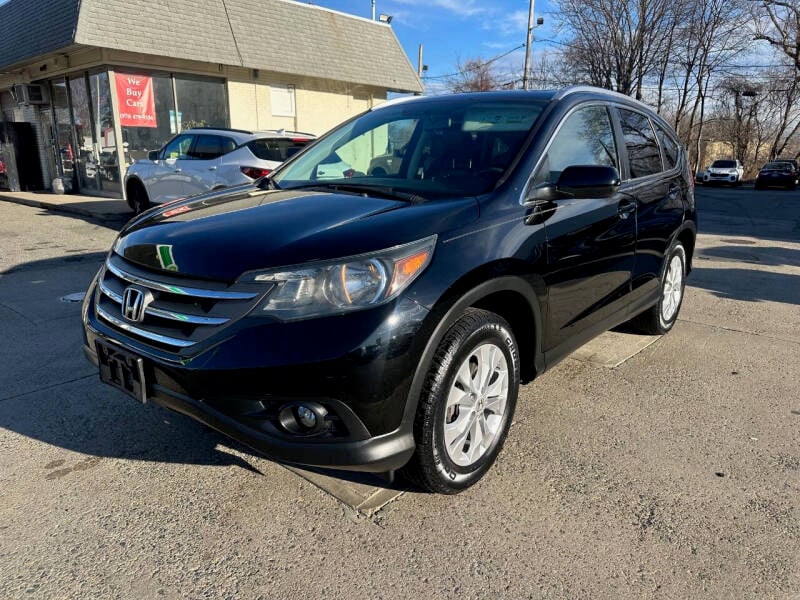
x=222, y=235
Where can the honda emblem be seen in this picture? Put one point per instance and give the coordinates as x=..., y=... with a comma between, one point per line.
x=133, y=304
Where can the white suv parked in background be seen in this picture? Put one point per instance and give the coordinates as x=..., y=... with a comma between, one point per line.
x=724, y=171
x=202, y=159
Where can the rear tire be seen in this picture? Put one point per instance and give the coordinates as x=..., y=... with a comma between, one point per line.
x=137, y=197
x=659, y=319
x=466, y=405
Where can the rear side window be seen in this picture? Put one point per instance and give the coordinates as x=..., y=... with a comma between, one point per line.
x=209, y=147
x=669, y=147
x=277, y=149
x=584, y=138
x=640, y=140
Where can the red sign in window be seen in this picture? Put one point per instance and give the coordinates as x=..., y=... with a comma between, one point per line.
x=135, y=100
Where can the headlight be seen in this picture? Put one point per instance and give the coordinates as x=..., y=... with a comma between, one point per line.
x=342, y=285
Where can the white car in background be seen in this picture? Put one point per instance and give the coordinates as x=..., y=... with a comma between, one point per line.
x=724, y=171
x=202, y=159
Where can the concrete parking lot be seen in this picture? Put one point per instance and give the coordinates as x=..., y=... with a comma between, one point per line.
x=664, y=468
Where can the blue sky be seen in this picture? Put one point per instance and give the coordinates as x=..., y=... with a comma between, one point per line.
x=457, y=30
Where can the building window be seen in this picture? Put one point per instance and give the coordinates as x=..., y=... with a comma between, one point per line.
x=282, y=100
x=201, y=102
x=190, y=102
x=150, y=126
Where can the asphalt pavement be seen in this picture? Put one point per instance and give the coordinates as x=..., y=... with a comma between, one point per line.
x=637, y=468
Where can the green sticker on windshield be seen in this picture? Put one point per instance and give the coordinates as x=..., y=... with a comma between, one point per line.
x=165, y=257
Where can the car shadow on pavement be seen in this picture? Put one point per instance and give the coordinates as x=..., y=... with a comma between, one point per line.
x=49, y=392
x=774, y=256
x=748, y=285
x=85, y=416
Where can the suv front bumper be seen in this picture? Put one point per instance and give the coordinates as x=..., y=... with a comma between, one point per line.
x=364, y=387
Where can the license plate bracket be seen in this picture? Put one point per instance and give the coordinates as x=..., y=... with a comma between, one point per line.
x=122, y=370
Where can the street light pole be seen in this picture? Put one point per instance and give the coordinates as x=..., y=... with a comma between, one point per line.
x=525, y=76
x=373, y=10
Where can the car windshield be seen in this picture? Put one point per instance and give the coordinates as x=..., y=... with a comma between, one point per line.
x=423, y=149
x=724, y=164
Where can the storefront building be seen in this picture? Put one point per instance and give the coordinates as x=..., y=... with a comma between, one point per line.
x=94, y=97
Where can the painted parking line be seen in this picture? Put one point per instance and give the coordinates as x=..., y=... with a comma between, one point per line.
x=362, y=492
x=613, y=348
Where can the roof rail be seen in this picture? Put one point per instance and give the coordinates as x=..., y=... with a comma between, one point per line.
x=576, y=89
x=283, y=132
x=220, y=129
x=393, y=101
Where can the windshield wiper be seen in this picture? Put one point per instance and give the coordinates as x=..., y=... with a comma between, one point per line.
x=366, y=190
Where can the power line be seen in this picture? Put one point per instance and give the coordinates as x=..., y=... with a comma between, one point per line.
x=482, y=64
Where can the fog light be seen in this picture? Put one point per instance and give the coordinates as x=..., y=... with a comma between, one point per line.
x=304, y=418
x=307, y=417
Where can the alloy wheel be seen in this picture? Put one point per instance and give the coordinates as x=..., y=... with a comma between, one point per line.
x=673, y=288
x=476, y=404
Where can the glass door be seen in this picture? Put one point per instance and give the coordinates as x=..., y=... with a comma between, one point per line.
x=87, y=157
x=108, y=172
x=64, y=143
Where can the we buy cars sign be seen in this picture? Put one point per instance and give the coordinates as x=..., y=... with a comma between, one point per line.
x=135, y=100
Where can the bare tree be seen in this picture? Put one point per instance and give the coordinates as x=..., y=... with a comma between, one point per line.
x=617, y=44
x=778, y=23
x=474, y=75
x=714, y=33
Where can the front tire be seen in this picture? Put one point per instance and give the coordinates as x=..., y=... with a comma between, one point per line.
x=466, y=405
x=660, y=318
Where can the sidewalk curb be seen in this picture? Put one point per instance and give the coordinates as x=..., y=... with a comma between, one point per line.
x=67, y=209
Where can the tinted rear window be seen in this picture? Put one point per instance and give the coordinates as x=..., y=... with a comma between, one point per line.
x=278, y=149
x=209, y=147
x=643, y=153
x=724, y=164
x=669, y=147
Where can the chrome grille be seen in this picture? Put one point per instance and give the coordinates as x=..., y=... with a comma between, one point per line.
x=180, y=312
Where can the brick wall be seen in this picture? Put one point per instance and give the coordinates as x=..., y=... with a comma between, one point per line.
x=15, y=113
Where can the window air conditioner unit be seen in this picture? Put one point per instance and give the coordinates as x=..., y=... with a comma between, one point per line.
x=30, y=94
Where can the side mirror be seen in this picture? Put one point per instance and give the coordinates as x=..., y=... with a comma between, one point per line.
x=588, y=181
x=152, y=155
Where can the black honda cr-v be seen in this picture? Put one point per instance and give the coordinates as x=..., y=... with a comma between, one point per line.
x=376, y=302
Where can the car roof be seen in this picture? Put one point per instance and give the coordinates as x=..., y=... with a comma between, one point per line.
x=242, y=136
x=493, y=96
x=584, y=91
x=500, y=95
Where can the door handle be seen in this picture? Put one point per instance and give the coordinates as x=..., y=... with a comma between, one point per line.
x=626, y=208
x=214, y=168
x=178, y=170
x=673, y=192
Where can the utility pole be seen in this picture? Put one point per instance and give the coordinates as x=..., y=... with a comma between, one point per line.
x=419, y=62
x=525, y=76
